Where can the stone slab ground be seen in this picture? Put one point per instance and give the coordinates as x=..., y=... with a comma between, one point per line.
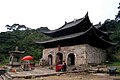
x=47, y=74
x=38, y=72
x=75, y=76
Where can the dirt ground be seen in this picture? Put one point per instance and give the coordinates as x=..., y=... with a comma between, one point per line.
x=76, y=76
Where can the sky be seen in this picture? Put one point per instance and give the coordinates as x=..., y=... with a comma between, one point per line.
x=53, y=13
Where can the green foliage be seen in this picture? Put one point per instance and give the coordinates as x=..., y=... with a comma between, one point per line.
x=116, y=37
x=117, y=63
x=16, y=27
x=113, y=26
x=24, y=39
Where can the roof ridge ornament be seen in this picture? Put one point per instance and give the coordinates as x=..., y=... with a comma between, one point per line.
x=100, y=23
x=65, y=22
x=86, y=14
x=74, y=19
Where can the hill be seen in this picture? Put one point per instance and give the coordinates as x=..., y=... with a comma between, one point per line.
x=24, y=39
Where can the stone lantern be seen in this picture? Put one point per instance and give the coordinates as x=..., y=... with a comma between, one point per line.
x=15, y=56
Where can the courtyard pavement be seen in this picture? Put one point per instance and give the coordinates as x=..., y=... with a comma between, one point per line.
x=37, y=72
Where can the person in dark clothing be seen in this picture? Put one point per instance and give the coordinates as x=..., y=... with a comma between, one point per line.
x=34, y=64
x=64, y=64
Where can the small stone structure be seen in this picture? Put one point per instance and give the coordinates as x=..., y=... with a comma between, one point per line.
x=15, y=56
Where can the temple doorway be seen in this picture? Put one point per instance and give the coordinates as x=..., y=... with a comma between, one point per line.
x=59, y=58
x=49, y=59
x=71, y=59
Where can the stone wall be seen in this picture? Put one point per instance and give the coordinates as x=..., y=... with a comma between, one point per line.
x=50, y=51
x=95, y=55
x=83, y=54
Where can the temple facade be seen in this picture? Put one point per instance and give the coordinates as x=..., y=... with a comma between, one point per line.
x=77, y=42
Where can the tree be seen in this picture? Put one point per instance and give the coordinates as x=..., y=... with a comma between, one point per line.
x=114, y=27
x=23, y=27
x=24, y=38
x=118, y=15
x=111, y=25
x=15, y=27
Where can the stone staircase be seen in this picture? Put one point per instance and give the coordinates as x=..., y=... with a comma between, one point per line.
x=5, y=76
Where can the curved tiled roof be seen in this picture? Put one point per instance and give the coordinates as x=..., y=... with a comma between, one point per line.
x=80, y=31
x=76, y=24
x=67, y=25
x=76, y=35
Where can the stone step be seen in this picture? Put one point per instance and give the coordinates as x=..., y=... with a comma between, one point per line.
x=3, y=77
x=8, y=76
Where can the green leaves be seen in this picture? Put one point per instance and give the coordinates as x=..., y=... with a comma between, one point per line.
x=16, y=27
x=24, y=39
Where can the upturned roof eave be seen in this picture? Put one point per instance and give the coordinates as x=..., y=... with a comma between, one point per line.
x=77, y=35
x=63, y=37
x=111, y=43
x=64, y=26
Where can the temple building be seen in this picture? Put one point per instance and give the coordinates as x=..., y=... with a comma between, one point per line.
x=76, y=42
